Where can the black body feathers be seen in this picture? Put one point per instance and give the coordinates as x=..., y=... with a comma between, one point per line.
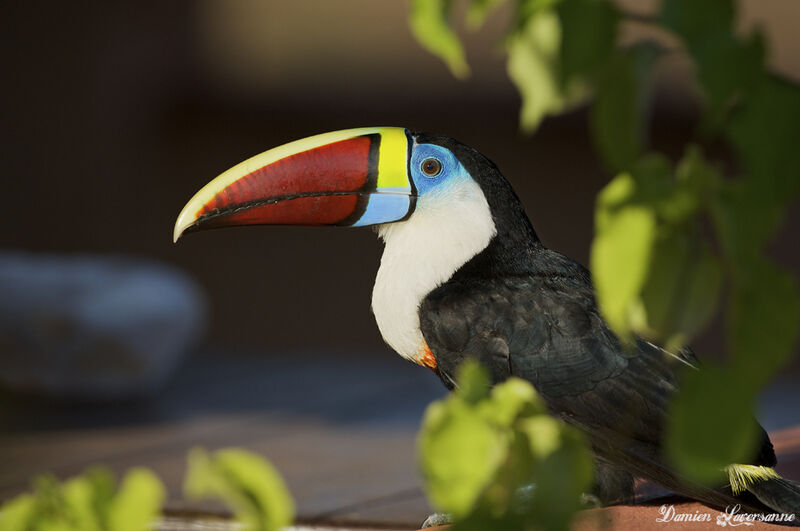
x=527, y=311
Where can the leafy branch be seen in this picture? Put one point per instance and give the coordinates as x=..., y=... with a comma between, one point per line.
x=483, y=451
x=243, y=481
x=657, y=274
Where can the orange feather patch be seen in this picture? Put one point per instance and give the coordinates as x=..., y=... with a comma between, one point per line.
x=425, y=357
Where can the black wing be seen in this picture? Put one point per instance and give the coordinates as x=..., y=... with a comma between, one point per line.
x=545, y=328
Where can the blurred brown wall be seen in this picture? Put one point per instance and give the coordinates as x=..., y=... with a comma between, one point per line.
x=115, y=113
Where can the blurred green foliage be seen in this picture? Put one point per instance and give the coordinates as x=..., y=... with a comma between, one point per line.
x=658, y=273
x=430, y=27
x=90, y=502
x=245, y=482
x=483, y=449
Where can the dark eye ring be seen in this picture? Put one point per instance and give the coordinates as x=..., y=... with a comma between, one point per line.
x=431, y=167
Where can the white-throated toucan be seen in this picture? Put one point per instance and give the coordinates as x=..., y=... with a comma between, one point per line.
x=463, y=274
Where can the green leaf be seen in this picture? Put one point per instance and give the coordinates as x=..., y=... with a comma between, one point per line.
x=764, y=315
x=103, y=487
x=744, y=219
x=245, y=482
x=533, y=66
x=620, y=257
x=509, y=400
x=88, y=503
x=79, y=504
x=17, y=513
x=654, y=180
x=728, y=70
x=530, y=8
x=479, y=10
x=589, y=30
x=561, y=477
x=710, y=424
x=728, y=66
x=479, y=458
x=460, y=453
x=695, y=21
x=765, y=132
x=429, y=21
x=696, y=181
x=682, y=289
x=75, y=505
x=138, y=502
x=473, y=382
x=618, y=113
x=667, y=285
x=544, y=435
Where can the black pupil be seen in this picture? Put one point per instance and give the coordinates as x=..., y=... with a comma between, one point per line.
x=431, y=166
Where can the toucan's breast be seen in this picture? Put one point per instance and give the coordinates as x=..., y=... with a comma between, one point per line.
x=421, y=253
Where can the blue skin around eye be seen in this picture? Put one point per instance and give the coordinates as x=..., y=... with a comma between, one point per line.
x=451, y=168
x=385, y=207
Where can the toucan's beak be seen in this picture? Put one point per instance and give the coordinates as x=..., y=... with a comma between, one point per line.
x=353, y=177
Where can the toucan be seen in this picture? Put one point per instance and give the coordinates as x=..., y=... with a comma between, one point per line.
x=464, y=275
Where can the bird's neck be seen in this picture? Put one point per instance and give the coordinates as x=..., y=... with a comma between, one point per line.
x=421, y=253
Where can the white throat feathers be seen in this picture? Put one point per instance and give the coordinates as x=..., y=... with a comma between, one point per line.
x=422, y=253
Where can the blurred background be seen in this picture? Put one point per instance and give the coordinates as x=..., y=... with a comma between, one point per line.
x=115, y=113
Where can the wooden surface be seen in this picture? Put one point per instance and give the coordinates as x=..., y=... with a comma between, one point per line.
x=340, y=428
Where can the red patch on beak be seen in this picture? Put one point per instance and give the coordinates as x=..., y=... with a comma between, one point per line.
x=338, y=167
x=310, y=210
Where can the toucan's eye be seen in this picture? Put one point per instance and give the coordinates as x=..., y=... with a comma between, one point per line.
x=431, y=167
